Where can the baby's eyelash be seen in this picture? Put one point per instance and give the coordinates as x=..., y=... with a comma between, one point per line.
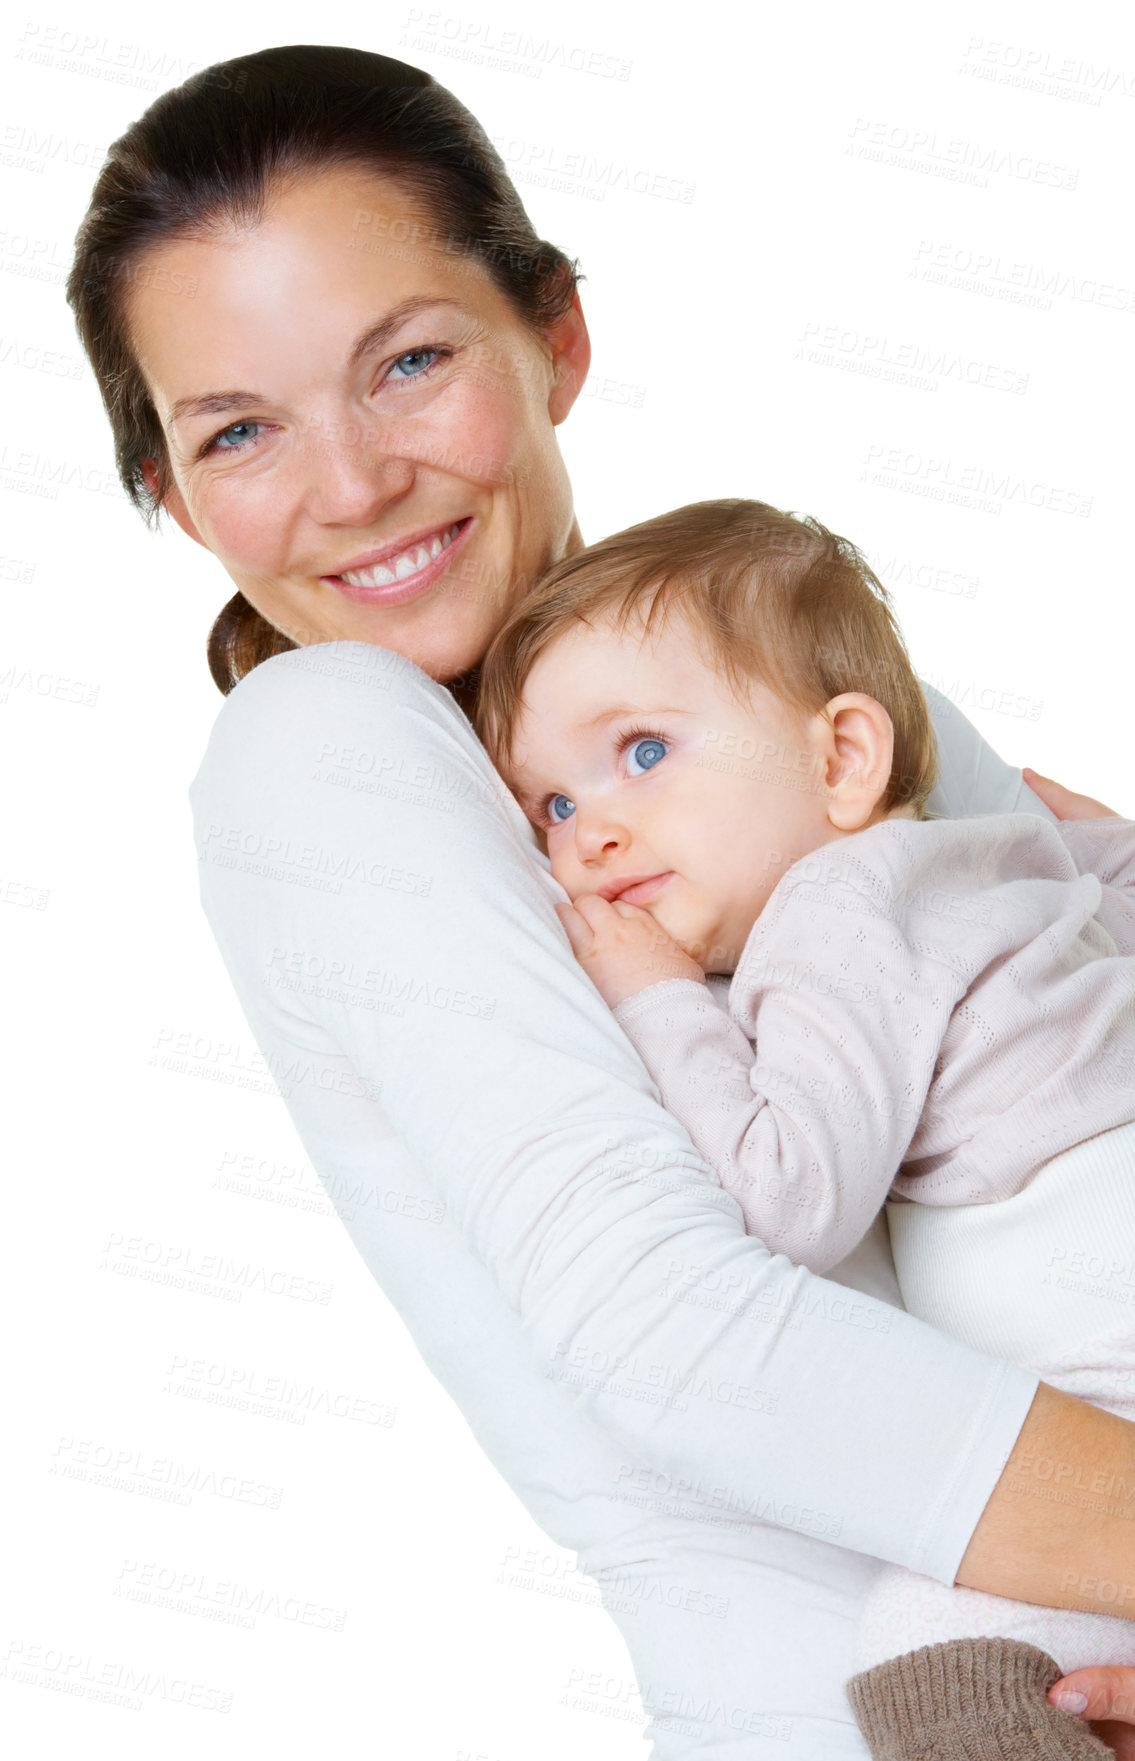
x=543, y=818
x=634, y=734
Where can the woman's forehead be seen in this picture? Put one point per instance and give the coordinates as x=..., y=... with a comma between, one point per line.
x=333, y=256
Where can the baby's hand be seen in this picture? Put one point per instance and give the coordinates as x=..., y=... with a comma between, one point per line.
x=621, y=947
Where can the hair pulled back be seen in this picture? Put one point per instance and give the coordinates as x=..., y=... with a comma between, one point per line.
x=210, y=152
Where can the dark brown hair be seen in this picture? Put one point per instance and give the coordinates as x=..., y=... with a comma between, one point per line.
x=774, y=599
x=212, y=149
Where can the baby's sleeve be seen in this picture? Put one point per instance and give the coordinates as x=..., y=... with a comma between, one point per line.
x=807, y=1121
x=1106, y=848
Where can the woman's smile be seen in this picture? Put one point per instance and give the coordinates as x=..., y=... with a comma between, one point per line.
x=403, y=569
x=390, y=473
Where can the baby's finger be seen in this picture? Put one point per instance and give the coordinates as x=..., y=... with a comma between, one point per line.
x=579, y=932
x=596, y=911
x=625, y=910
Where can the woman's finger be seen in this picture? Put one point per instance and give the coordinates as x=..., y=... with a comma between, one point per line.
x=1104, y=1692
x=1063, y=802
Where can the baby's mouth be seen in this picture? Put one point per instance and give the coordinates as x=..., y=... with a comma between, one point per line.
x=639, y=891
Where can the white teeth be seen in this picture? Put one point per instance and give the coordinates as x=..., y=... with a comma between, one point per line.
x=410, y=561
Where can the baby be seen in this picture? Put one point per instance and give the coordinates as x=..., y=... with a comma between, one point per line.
x=713, y=722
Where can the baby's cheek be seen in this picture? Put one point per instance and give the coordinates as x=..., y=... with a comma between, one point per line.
x=563, y=869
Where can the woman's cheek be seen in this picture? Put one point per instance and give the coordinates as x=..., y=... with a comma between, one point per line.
x=495, y=439
x=247, y=523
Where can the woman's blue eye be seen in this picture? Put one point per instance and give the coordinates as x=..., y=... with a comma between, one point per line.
x=424, y=358
x=243, y=432
x=551, y=809
x=648, y=753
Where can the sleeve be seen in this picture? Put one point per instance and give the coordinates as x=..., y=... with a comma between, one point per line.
x=806, y=1123
x=1106, y=848
x=440, y=971
x=972, y=779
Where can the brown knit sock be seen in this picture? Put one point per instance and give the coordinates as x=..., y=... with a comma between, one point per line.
x=969, y=1700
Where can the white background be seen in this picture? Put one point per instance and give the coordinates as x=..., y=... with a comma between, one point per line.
x=781, y=214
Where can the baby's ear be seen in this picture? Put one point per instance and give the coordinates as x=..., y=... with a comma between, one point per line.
x=860, y=754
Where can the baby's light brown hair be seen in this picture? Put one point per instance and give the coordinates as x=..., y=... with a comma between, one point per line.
x=775, y=599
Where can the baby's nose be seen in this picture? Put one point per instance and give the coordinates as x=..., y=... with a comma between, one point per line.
x=599, y=835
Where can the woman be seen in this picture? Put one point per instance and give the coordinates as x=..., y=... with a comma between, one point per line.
x=331, y=346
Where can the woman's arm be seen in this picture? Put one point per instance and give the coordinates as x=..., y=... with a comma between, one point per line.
x=1057, y=1529
x=972, y=779
x=636, y=1285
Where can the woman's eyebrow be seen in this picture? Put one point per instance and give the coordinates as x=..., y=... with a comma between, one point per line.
x=379, y=333
x=211, y=403
x=219, y=403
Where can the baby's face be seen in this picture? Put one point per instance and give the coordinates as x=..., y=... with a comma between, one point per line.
x=651, y=784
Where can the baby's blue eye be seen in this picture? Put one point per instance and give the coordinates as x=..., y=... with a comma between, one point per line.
x=551, y=809
x=648, y=753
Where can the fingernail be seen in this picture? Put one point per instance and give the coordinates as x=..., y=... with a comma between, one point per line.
x=1070, y=1702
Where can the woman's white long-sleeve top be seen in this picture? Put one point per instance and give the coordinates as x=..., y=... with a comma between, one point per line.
x=565, y=1261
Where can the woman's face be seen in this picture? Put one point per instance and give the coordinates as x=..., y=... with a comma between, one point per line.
x=360, y=426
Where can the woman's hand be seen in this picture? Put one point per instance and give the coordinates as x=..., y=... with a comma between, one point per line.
x=621, y=947
x=1063, y=802
x=1106, y=1697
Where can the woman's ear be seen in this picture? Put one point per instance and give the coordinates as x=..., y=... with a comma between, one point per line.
x=860, y=751
x=172, y=501
x=571, y=359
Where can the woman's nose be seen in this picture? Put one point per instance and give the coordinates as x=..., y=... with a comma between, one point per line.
x=350, y=478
